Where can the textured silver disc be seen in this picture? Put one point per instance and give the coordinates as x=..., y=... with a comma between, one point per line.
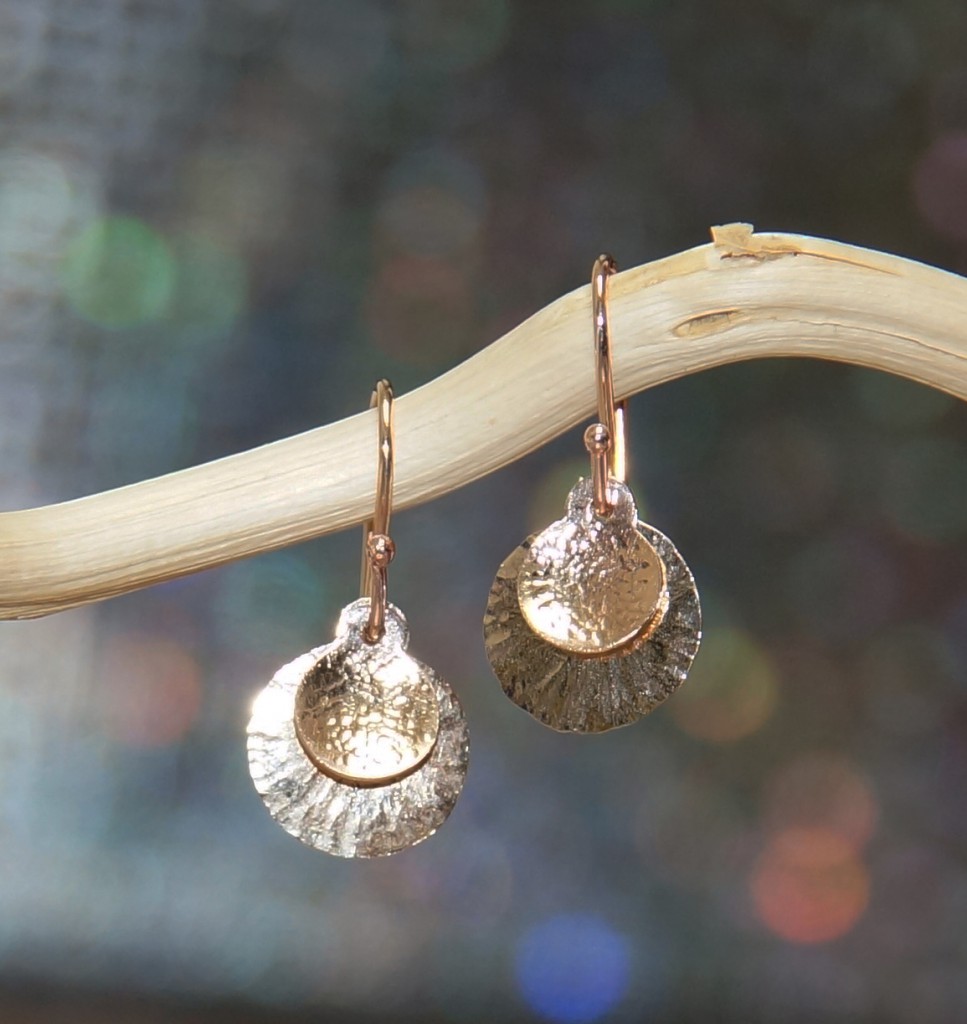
x=592, y=693
x=345, y=818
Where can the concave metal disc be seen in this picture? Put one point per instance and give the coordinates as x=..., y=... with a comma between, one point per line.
x=590, y=583
x=367, y=713
x=592, y=693
x=340, y=817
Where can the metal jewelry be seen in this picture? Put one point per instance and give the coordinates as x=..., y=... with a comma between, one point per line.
x=356, y=748
x=593, y=622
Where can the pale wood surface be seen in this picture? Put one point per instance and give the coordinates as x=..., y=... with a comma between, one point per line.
x=742, y=297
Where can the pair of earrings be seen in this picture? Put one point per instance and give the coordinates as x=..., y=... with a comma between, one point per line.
x=359, y=750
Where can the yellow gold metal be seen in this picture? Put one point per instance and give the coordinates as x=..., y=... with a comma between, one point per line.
x=604, y=267
x=588, y=583
x=598, y=442
x=367, y=713
x=619, y=448
x=378, y=549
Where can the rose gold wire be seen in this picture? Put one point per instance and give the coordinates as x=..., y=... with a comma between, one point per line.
x=605, y=440
x=378, y=547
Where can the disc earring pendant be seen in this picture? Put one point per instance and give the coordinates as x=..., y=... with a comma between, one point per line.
x=593, y=622
x=357, y=748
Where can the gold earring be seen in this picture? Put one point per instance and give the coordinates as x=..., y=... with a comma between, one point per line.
x=593, y=622
x=356, y=748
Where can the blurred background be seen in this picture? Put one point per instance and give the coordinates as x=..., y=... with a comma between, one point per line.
x=220, y=221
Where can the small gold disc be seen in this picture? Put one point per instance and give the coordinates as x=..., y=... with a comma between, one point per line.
x=589, y=584
x=367, y=714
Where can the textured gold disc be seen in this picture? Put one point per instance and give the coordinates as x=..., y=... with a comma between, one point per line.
x=590, y=583
x=367, y=714
x=592, y=693
x=340, y=817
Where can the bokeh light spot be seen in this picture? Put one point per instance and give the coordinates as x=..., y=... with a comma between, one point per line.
x=573, y=968
x=150, y=690
x=731, y=691
x=825, y=791
x=420, y=311
x=118, y=272
x=809, y=886
x=433, y=206
x=940, y=186
x=429, y=221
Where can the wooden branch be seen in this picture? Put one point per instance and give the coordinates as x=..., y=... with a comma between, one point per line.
x=742, y=297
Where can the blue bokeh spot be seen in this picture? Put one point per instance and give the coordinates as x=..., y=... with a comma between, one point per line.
x=573, y=968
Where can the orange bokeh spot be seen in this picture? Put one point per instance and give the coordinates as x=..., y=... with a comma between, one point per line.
x=150, y=690
x=419, y=310
x=822, y=791
x=809, y=886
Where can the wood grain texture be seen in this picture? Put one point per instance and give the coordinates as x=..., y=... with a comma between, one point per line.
x=743, y=296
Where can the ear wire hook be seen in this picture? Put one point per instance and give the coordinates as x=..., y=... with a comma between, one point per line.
x=604, y=440
x=378, y=546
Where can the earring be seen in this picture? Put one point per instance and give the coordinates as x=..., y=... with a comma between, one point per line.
x=356, y=748
x=593, y=622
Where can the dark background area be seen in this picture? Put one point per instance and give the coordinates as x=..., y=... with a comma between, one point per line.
x=219, y=223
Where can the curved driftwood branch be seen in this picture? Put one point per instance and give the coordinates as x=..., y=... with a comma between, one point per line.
x=742, y=297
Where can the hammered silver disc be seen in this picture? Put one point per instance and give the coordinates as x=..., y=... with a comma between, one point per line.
x=592, y=693
x=344, y=818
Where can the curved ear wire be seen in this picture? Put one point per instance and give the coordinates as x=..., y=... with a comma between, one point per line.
x=378, y=547
x=600, y=438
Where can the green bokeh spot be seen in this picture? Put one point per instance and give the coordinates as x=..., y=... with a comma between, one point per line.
x=118, y=273
x=210, y=288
